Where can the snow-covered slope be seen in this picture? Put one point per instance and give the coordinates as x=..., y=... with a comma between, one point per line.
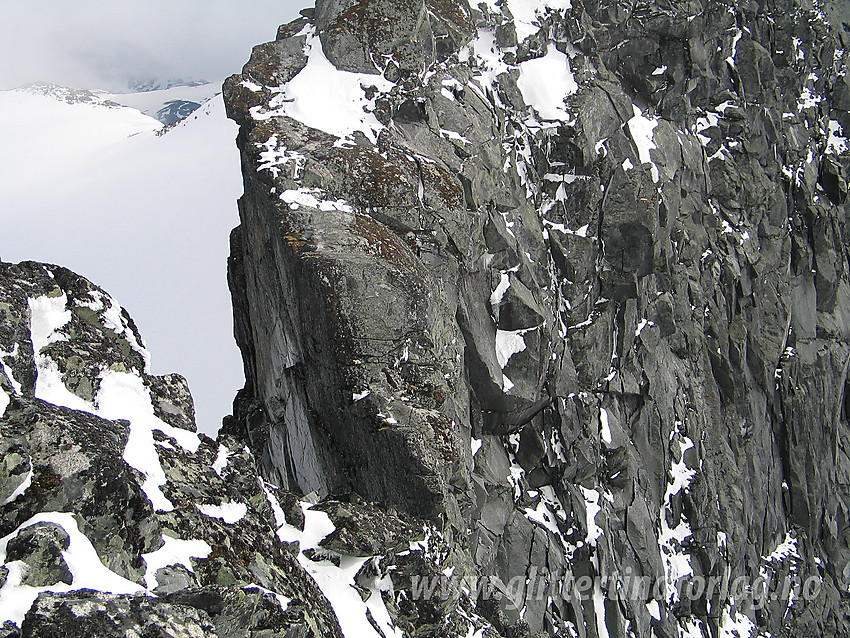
x=91, y=185
x=151, y=102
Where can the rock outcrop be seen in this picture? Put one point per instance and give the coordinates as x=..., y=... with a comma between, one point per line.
x=569, y=282
x=118, y=519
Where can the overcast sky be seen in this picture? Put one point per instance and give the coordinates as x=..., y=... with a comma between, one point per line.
x=102, y=43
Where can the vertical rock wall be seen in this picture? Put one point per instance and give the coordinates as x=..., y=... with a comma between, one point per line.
x=570, y=282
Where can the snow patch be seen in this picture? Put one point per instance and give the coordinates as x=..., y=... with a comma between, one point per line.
x=599, y=605
x=323, y=97
x=736, y=625
x=489, y=60
x=709, y=120
x=230, y=512
x=641, y=129
x=836, y=142
x=112, y=318
x=643, y=324
x=453, y=135
x=81, y=558
x=173, y=552
x=337, y=582
x=501, y=289
x=124, y=396
x=282, y=600
x=547, y=513
x=24, y=484
x=277, y=510
x=272, y=158
x=677, y=563
x=807, y=99
x=526, y=13
x=799, y=54
x=514, y=477
x=311, y=197
x=251, y=86
x=786, y=549
x=593, y=507
x=16, y=387
x=48, y=315
x=681, y=474
x=508, y=343
x=731, y=59
x=604, y=427
x=600, y=147
x=221, y=459
x=723, y=106
x=545, y=82
x=654, y=610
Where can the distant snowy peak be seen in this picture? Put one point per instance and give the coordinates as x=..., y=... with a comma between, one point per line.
x=167, y=105
x=70, y=95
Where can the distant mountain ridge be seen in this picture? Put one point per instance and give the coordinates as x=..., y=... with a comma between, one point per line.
x=143, y=86
x=69, y=95
x=169, y=101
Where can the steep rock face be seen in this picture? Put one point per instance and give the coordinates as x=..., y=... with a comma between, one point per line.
x=127, y=506
x=117, y=519
x=569, y=281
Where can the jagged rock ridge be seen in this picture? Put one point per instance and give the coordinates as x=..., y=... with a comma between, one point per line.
x=569, y=281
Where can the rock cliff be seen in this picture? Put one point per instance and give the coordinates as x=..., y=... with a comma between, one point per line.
x=118, y=519
x=568, y=281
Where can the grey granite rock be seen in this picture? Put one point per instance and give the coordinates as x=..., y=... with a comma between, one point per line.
x=525, y=364
x=90, y=613
x=39, y=546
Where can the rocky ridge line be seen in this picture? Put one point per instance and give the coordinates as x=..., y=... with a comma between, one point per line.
x=507, y=340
